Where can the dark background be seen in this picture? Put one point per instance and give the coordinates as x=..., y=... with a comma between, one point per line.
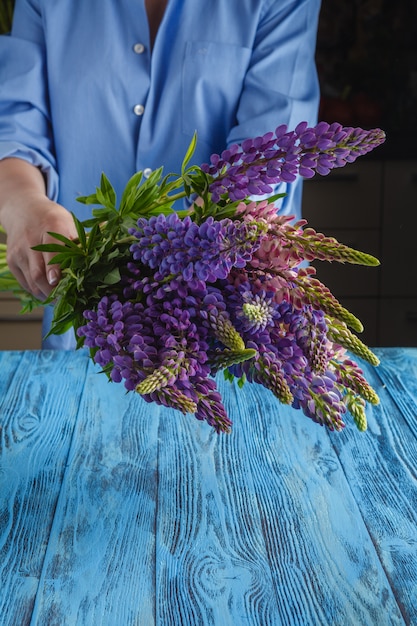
x=367, y=64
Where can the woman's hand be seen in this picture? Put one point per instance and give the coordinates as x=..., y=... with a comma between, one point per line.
x=27, y=216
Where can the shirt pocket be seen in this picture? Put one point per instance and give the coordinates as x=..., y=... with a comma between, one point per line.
x=212, y=81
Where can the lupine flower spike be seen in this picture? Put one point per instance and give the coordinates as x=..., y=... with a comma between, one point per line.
x=164, y=300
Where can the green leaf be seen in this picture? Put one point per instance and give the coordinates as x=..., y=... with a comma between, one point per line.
x=189, y=153
x=62, y=325
x=105, y=200
x=89, y=223
x=107, y=190
x=63, y=257
x=80, y=231
x=241, y=381
x=166, y=209
x=68, y=242
x=129, y=193
x=91, y=199
x=154, y=178
x=275, y=197
x=49, y=247
x=103, y=214
x=93, y=237
x=112, y=277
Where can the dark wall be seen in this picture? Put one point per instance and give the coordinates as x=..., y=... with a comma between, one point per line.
x=367, y=63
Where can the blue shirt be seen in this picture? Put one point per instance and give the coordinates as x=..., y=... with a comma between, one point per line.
x=81, y=93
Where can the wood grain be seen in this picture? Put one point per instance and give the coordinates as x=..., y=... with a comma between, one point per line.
x=212, y=565
x=116, y=512
x=382, y=473
x=38, y=412
x=323, y=562
x=100, y=563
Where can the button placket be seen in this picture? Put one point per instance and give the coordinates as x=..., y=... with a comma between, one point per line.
x=139, y=48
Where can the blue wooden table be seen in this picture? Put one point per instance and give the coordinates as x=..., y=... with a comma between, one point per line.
x=118, y=513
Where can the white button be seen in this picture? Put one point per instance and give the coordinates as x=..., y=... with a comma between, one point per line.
x=139, y=48
x=138, y=109
x=147, y=172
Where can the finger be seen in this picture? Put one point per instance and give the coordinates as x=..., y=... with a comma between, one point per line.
x=19, y=267
x=20, y=277
x=36, y=277
x=26, y=276
x=52, y=270
x=53, y=275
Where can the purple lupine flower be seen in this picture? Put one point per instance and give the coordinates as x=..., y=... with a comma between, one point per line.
x=196, y=297
x=198, y=395
x=258, y=164
x=180, y=247
x=322, y=401
x=258, y=311
x=210, y=407
x=310, y=330
x=120, y=335
x=159, y=347
x=292, y=352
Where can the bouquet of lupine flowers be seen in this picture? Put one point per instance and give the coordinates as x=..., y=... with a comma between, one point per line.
x=164, y=300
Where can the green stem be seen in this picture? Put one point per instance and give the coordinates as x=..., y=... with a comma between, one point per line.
x=173, y=198
x=130, y=239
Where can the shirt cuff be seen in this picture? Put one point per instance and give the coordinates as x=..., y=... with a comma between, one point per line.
x=11, y=149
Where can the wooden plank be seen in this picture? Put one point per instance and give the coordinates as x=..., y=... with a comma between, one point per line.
x=381, y=467
x=160, y=521
x=325, y=569
x=398, y=374
x=37, y=415
x=260, y=527
x=212, y=565
x=100, y=563
x=9, y=361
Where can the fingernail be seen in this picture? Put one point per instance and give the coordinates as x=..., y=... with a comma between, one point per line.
x=53, y=277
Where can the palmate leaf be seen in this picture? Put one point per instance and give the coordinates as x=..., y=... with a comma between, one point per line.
x=67, y=250
x=104, y=200
x=105, y=195
x=147, y=194
x=144, y=197
x=130, y=193
x=101, y=215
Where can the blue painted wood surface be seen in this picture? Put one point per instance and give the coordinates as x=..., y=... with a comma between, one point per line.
x=114, y=512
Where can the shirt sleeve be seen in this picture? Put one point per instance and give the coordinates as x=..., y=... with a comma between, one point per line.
x=281, y=85
x=25, y=129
